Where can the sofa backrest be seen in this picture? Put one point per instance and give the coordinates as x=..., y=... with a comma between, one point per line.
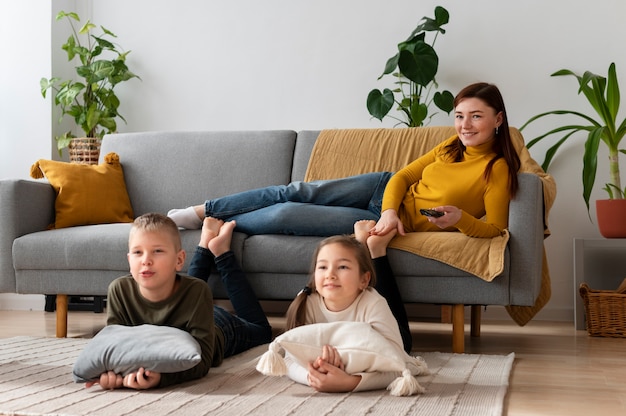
x=165, y=170
x=302, y=154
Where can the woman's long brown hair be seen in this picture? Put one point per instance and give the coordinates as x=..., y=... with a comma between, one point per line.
x=503, y=146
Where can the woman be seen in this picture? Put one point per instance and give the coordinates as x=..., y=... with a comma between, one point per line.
x=470, y=175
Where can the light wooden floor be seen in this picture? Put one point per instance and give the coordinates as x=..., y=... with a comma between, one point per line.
x=557, y=370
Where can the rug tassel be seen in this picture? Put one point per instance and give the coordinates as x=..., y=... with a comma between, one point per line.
x=405, y=385
x=272, y=363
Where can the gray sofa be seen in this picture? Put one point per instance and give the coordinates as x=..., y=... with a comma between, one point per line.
x=176, y=169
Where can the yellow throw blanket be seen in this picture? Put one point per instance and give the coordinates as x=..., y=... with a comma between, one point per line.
x=341, y=153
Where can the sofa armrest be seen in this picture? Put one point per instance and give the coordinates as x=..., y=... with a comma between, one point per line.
x=26, y=206
x=526, y=225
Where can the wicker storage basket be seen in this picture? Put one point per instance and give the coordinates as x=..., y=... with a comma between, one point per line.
x=605, y=311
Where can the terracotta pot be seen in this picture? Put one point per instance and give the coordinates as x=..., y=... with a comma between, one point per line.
x=611, y=214
x=84, y=150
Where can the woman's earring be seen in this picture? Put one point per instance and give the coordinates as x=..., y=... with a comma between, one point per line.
x=496, y=131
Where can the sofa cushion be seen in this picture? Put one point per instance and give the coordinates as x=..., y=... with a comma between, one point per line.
x=86, y=194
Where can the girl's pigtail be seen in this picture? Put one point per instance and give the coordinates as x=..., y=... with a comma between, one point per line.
x=296, y=314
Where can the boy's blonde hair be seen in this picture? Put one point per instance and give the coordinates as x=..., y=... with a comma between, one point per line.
x=154, y=222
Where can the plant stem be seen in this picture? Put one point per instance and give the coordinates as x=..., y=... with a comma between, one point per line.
x=614, y=175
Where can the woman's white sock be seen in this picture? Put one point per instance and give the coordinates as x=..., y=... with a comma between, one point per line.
x=185, y=218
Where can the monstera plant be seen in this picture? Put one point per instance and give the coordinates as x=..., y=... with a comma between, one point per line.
x=414, y=68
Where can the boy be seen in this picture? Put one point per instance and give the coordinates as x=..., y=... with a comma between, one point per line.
x=155, y=293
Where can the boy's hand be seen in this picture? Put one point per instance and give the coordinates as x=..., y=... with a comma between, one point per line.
x=142, y=379
x=108, y=381
x=139, y=380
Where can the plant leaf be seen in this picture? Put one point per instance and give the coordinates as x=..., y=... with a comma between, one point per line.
x=590, y=163
x=419, y=65
x=444, y=100
x=380, y=103
x=612, y=92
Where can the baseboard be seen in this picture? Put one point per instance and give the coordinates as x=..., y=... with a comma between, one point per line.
x=17, y=302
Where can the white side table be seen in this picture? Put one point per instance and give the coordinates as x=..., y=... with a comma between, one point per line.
x=601, y=263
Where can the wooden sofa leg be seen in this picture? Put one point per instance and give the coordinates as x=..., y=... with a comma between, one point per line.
x=475, y=321
x=61, y=316
x=458, y=328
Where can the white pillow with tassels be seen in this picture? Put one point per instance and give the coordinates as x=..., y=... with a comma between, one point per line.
x=361, y=348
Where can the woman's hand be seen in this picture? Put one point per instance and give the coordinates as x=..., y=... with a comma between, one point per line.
x=327, y=373
x=388, y=221
x=451, y=217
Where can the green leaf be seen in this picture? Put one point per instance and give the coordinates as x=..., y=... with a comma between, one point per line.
x=70, y=48
x=612, y=92
x=444, y=100
x=441, y=16
x=590, y=163
x=419, y=112
x=391, y=65
x=86, y=28
x=64, y=141
x=108, y=32
x=71, y=15
x=379, y=104
x=419, y=65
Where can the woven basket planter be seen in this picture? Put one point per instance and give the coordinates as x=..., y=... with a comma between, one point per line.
x=84, y=150
x=605, y=312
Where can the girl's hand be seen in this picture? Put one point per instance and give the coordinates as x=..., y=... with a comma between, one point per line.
x=327, y=378
x=451, y=217
x=331, y=356
x=388, y=221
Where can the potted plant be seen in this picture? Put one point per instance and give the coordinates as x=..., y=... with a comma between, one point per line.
x=417, y=64
x=604, y=97
x=92, y=101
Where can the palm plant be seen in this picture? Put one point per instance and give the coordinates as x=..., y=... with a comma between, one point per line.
x=604, y=97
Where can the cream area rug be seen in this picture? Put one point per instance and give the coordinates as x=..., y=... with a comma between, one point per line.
x=35, y=379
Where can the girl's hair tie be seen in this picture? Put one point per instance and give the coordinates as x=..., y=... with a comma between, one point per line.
x=306, y=290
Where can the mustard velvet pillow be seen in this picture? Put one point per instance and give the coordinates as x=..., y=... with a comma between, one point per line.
x=86, y=194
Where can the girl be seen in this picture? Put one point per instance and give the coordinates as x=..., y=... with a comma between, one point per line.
x=341, y=289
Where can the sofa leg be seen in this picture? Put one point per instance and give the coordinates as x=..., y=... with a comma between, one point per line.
x=61, y=316
x=475, y=321
x=458, y=328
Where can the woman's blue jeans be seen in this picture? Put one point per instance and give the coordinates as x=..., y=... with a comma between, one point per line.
x=320, y=208
x=249, y=326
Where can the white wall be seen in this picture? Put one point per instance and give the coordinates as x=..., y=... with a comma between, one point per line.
x=24, y=114
x=309, y=64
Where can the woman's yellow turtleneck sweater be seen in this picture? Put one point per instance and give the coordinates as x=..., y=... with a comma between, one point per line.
x=433, y=181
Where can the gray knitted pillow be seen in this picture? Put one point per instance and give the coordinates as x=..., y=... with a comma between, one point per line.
x=124, y=349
